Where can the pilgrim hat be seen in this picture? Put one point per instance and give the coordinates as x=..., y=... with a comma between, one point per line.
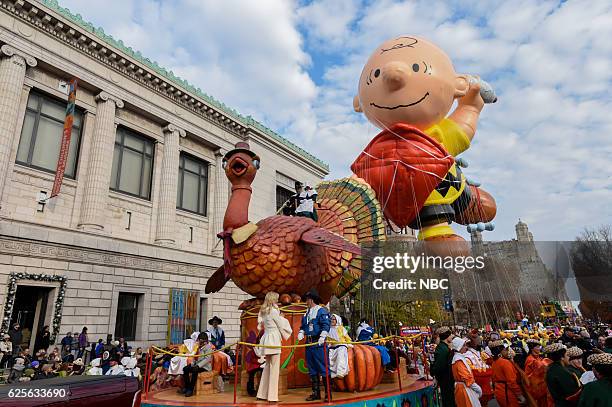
x=240, y=147
x=215, y=318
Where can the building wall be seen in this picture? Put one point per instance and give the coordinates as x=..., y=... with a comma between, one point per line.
x=100, y=262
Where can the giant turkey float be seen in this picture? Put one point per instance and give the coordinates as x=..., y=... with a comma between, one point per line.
x=407, y=176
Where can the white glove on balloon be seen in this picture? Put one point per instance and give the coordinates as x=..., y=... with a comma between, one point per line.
x=300, y=335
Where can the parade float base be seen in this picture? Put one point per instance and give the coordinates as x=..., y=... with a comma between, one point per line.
x=418, y=394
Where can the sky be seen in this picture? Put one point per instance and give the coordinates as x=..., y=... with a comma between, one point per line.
x=543, y=150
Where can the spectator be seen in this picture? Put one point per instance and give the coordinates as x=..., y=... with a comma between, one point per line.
x=25, y=354
x=105, y=362
x=78, y=367
x=74, y=348
x=66, y=344
x=17, y=370
x=16, y=338
x=42, y=339
x=608, y=345
x=6, y=350
x=123, y=347
x=115, y=367
x=601, y=342
x=46, y=372
x=82, y=342
x=99, y=349
x=95, y=369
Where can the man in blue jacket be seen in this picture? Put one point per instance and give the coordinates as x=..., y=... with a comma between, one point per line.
x=315, y=328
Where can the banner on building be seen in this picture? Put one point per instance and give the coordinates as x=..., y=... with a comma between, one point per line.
x=65, y=145
x=182, y=314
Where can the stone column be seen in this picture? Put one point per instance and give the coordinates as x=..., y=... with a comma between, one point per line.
x=221, y=198
x=166, y=211
x=12, y=74
x=100, y=163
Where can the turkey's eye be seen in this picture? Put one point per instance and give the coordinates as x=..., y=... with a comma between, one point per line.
x=224, y=164
x=377, y=73
x=256, y=164
x=415, y=67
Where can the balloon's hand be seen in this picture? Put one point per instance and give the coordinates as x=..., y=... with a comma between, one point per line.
x=472, y=97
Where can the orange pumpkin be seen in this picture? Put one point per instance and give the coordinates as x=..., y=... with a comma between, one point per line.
x=361, y=376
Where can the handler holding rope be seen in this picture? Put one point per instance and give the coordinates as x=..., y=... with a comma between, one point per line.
x=315, y=327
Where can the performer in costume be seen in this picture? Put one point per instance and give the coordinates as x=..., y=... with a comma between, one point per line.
x=441, y=367
x=507, y=391
x=291, y=205
x=338, y=353
x=535, y=369
x=202, y=362
x=178, y=363
x=315, y=328
x=364, y=331
x=599, y=392
x=481, y=371
x=276, y=328
x=467, y=392
x=306, y=203
x=563, y=386
x=217, y=336
x=575, y=361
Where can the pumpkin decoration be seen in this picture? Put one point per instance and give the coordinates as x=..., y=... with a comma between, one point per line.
x=361, y=376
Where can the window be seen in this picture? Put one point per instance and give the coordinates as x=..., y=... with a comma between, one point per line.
x=41, y=135
x=282, y=195
x=192, y=191
x=127, y=313
x=132, y=164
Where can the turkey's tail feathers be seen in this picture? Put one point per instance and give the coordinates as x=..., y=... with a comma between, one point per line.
x=350, y=209
x=217, y=281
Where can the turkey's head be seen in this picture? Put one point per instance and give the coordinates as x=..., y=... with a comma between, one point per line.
x=241, y=165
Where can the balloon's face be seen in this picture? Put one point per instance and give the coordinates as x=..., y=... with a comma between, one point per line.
x=408, y=80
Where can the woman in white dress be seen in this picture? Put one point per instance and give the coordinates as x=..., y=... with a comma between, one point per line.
x=338, y=354
x=276, y=328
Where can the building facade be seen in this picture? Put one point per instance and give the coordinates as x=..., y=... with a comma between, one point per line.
x=127, y=246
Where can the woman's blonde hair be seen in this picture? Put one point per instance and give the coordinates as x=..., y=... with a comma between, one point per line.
x=269, y=302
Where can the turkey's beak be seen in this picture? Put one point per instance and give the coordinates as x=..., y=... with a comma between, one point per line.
x=238, y=166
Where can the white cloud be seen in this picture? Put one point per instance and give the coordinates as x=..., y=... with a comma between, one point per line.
x=543, y=150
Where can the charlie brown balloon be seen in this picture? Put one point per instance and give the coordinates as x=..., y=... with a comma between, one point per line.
x=407, y=89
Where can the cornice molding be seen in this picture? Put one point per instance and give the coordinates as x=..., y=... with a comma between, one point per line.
x=95, y=43
x=20, y=247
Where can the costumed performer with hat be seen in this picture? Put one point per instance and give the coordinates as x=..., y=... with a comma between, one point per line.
x=598, y=392
x=315, y=328
x=563, y=386
x=217, y=336
x=467, y=392
x=508, y=392
x=535, y=370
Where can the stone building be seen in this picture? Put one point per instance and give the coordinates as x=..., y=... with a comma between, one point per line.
x=127, y=246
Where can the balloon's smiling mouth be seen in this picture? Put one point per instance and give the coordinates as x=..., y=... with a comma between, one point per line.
x=398, y=106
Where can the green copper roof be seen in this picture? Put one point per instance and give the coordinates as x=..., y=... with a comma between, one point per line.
x=171, y=77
